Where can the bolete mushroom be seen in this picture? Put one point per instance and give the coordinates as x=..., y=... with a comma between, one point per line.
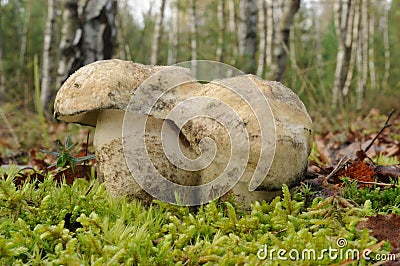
x=97, y=95
x=100, y=94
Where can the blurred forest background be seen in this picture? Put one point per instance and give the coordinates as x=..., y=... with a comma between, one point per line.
x=339, y=56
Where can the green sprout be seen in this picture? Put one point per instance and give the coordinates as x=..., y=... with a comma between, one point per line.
x=64, y=154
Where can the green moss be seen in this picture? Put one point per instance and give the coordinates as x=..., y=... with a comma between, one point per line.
x=383, y=199
x=46, y=223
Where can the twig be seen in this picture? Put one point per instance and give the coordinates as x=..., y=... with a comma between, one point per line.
x=386, y=125
x=376, y=183
x=345, y=159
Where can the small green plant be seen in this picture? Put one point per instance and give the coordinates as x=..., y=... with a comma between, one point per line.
x=314, y=155
x=64, y=154
x=304, y=193
x=382, y=159
x=384, y=200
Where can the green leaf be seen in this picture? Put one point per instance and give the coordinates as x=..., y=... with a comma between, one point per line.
x=67, y=141
x=72, y=164
x=69, y=146
x=84, y=158
x=56, y=154
x=62, y=160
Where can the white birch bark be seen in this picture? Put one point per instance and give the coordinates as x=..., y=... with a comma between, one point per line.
x=385, y=30
x=157, y=34
x=232, y=29
x=292, y=56
x=70, y=38
x=261, y=45
x=193, y=36
x=270, y=33
x=24, y=36
x=47, y=66
x=2, y=76
x=282, y=39
x=352, y=37
x=220, y=39
x=341, y=19
x=88, y=34
x=123, y=17
x=363, y=48
x=371, y=53
x=317, y=34
x=241, y=26
x=173, y=36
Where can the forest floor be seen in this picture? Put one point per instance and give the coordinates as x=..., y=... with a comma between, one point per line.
x=363, y=157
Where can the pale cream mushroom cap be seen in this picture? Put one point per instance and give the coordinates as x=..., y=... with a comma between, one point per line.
x=107, y=84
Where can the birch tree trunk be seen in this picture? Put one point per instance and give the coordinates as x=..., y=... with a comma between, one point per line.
x=282, y=39
x=270, y=33
x=157, y=34
x=371, y=54
x=221, y=30
x=342, y=18
x=193, y=35
x=261, y=47
x=317, y=34
x=23, y=46
x=47, y=56
x=2, y=76
x=352, y=36
x=293, y=61
x=24, y=36
x=250, y=42
x=71, y=36
x=88, y=34
x=124, y=50
x=232, y=29
x=173, y=37
x=241, y=27
x=363, y=54
x=385, y=31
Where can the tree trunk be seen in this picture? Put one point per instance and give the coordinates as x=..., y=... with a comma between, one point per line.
x=261, y=46
x=2, y=76
x=46, y=85
x=282, y=39
x=86, y=36
x=71, y=35
x=173, y=37
x=385, y=29
x=157, y=34
x=193, y=35
x=363, y=54
x=123, y=17
x=293, y=61
x=270, y=33
x=24, y=36
x=352, y=36
x=342, y=18
x=221, y=31
x=241, y=27
x=371, y=54
x=232, y=29
x=250, y=43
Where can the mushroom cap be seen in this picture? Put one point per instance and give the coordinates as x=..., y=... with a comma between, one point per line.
x=106, y=84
